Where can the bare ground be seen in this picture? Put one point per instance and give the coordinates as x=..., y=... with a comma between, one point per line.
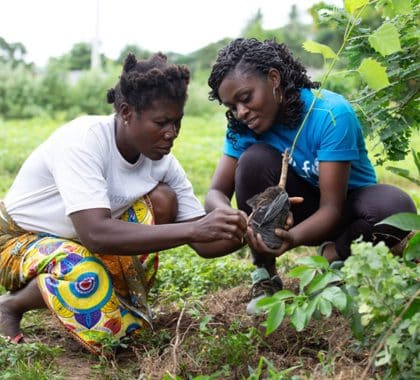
x=231, y=342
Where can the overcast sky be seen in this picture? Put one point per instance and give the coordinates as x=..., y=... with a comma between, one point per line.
x=49, y=28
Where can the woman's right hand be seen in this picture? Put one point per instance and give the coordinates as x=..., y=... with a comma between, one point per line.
x=220, y=224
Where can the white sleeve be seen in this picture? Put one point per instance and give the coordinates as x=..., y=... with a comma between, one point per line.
x=188, y=205
x=79, y=177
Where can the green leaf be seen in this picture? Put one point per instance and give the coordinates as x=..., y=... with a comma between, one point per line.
x=403, y=173
x=373, y=74
x=352, y=6
x=412, y=251
x=299, y=318
x=316, y=262
x=317, y=48
x=304, y=274
x=336, y=296
x=402, y=7
x=283, y=294
x=266, y=303
x=416, y=157
x=385, y=40
x=406, y=221
x=324, y=306
x=275, y=317
x=319, y=282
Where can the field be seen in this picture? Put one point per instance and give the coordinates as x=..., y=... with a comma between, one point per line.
x=201, y=329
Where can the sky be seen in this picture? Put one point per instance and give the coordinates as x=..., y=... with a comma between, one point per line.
x=49, y=28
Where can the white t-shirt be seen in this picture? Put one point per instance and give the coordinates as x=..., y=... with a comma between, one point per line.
x=79, y=167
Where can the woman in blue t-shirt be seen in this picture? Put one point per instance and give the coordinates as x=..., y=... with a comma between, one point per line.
x=267, y=93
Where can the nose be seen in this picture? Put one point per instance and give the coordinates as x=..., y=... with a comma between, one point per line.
x=172, y=132
x=241, y=111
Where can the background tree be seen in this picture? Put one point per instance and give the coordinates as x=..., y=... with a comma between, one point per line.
x=382, y=55
x=135, y=49
x=13, y=53
x=79, y=56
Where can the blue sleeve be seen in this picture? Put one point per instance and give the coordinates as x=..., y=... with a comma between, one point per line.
x=338, y=140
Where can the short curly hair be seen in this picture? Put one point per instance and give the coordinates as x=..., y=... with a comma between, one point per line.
x=253, y=56
x=144, y=81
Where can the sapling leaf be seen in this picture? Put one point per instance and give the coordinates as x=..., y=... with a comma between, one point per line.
x=403, y=7
x=275, y=317
x=403, y=173
x=325, y=307
x=406, y=221
x=319, y=282
x=385, y=40
x=316, y=261
x=336, y=296
x=352, y=6
x=373, y=73
x=298, y=318
x=304, y=274
x=266, y=303
x=412, y=251
x=316, y=47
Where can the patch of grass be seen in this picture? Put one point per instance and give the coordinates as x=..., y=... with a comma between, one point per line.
x=28, y=361
x=182, y=273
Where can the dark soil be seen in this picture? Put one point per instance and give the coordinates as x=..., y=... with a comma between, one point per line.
x=324, y=350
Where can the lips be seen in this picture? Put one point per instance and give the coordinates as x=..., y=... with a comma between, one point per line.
x=165, y=149
x=252, y=123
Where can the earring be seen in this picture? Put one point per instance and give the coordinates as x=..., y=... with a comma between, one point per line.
x=280, y=100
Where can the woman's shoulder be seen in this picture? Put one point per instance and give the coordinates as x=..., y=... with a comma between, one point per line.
x=84, y=127
x=327, y=102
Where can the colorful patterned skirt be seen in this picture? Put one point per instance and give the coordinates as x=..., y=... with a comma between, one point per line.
x=95, y=297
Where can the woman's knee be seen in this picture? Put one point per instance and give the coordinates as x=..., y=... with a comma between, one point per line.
x=165, y=204
x=259, y=163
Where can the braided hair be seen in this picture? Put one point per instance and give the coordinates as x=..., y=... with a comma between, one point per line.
x=253, y=56
x=144, y=81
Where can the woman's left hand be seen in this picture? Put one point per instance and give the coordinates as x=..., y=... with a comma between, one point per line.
x=257, y=244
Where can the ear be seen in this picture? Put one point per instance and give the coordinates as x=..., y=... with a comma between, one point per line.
x=274, y=77
x=125, y=111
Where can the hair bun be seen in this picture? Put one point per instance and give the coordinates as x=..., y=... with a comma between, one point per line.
x=130, y=62
x=110, y=96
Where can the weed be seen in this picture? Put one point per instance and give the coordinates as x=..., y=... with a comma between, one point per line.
x=28, y=361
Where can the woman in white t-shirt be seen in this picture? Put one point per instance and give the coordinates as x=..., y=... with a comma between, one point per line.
x=82, y=223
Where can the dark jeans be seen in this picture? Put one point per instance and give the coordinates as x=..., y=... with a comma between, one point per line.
x=259, y=167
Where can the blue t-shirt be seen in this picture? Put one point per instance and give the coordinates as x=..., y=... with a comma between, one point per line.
x=331, y=133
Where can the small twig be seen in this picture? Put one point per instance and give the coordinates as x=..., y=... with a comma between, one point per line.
x=177, y=341
x=388, y=333
x=284, y=168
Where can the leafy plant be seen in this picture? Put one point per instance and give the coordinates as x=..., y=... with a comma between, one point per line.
x=387, y=295
x=174, y=282
x=405, y=173
x=28, y=361
x=317, y=296
x=385, y=58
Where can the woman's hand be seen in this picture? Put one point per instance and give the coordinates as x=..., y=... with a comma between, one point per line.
x=220, y=224
x=257, y=244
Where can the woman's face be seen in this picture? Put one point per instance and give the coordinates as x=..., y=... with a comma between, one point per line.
x=250, y=98
x=150, y=132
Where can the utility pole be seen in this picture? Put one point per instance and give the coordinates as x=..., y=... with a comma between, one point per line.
x=94, y=58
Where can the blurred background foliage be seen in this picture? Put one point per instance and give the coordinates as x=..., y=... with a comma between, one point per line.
x=69, y=86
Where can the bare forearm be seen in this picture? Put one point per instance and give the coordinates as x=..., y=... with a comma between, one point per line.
x=316, y=228
x=122, y=238
x=217, y=248
x=216, y=199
